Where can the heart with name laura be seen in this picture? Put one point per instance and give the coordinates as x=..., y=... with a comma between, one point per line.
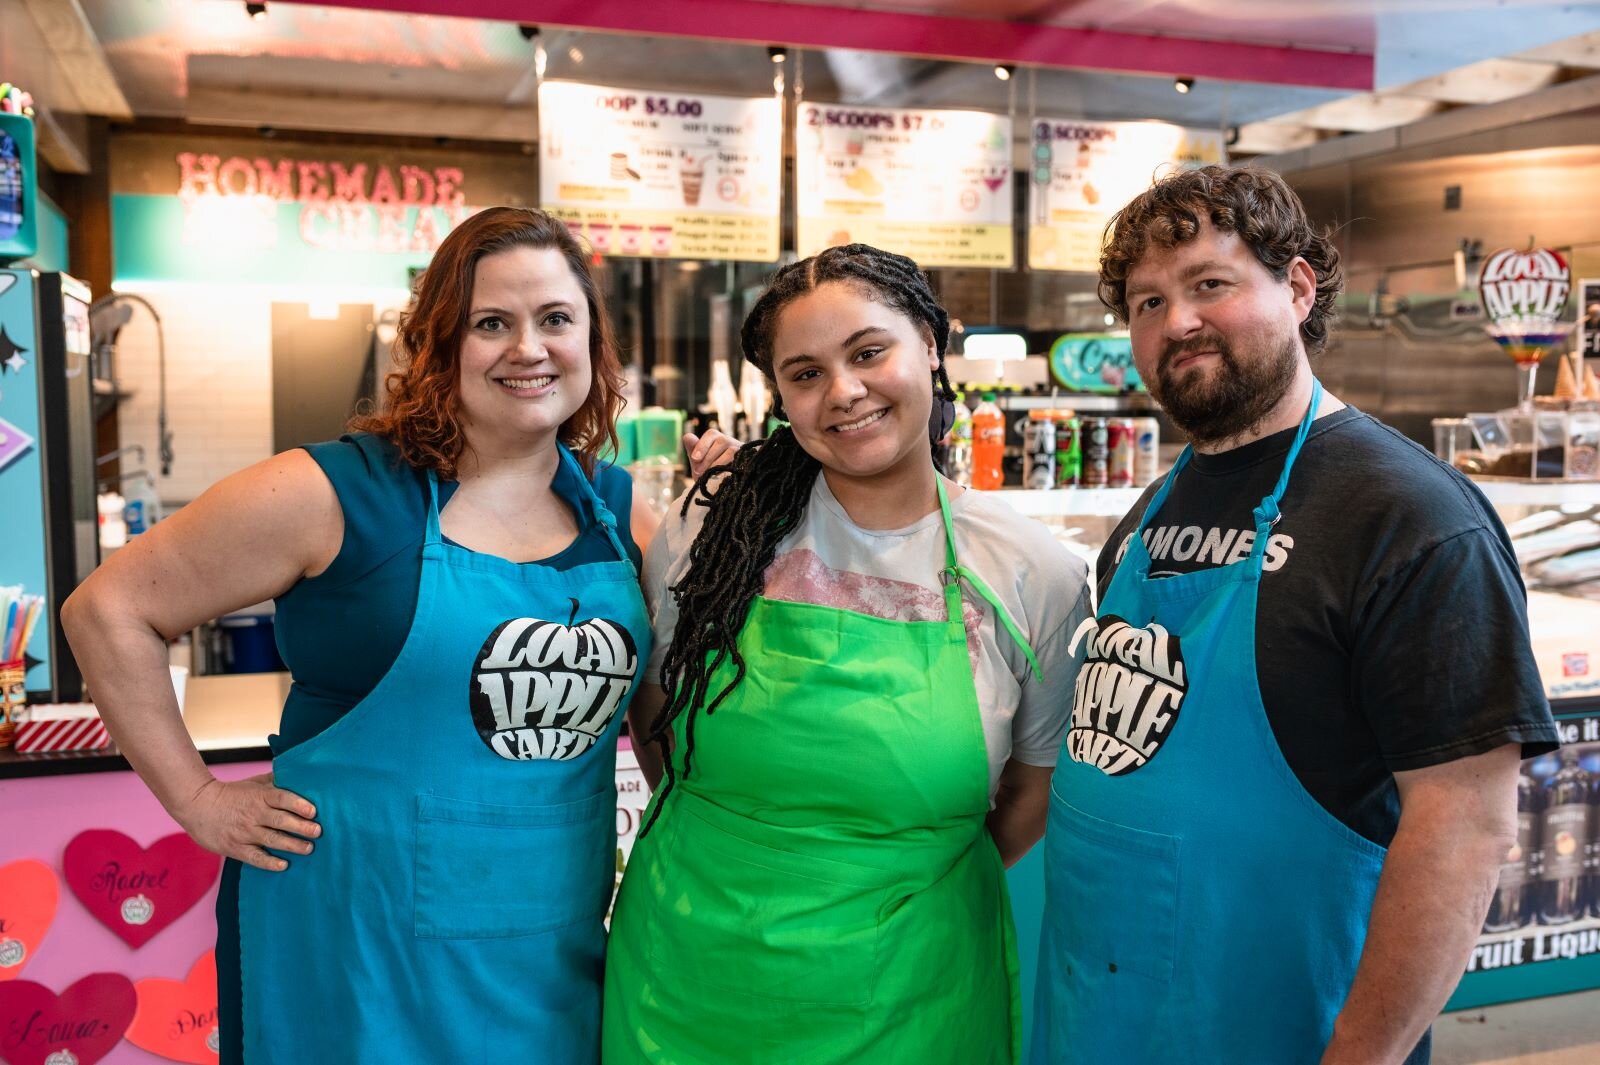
x=546, y=690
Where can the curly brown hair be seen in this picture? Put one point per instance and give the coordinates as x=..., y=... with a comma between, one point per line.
x=1254, y=203
x=421, y=416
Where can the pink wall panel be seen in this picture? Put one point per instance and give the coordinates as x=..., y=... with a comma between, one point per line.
x=38, y=817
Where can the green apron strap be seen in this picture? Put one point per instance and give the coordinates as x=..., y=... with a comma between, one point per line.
x=954, y=573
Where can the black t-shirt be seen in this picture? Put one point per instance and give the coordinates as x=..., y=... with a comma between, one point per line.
x=1392, y=629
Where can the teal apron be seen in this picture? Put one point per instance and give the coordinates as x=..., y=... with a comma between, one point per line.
x=1201, y=907
x=452, y=911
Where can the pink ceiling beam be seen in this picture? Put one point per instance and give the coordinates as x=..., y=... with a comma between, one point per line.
x=908, y=33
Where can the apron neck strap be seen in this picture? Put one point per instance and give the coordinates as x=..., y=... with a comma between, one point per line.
x=954, y=573
x=434, y=536
x=599, y=512
x=1267, y=514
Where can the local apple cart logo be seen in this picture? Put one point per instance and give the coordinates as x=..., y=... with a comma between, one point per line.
x=1129, y=692
x=546, y=690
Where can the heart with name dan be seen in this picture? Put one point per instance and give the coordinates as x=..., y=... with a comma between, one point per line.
x=137, y=891
x=177, y=1019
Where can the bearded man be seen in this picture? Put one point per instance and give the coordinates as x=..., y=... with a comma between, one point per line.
x=1290, y=776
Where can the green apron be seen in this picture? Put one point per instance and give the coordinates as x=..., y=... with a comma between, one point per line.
x=823, y=888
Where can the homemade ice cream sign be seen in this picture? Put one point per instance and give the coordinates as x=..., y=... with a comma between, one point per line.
x=934, y=185
x=667, y=175
x=1084, y=172
x=343, y=206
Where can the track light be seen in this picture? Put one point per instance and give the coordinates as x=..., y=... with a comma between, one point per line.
x=1003, y=71
x=256, y=11
x=777, y=53
x=1183, y=85
x=529, y=31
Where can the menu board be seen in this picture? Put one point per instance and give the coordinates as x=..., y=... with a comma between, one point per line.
x=673, y=175
x=932, y=185
x=1084, y=172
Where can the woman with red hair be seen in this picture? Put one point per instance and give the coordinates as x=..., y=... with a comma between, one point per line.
x=424, y=875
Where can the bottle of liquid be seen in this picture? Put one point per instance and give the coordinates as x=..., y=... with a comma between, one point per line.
x=1594, y=845
x=1509, y=909
x=1566, y=835
x=959, y=463
x=988, y=444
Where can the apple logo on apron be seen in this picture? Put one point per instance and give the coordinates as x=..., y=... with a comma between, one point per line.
x=541, y=689
x=1129, y=692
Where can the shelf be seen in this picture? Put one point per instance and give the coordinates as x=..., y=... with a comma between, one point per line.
x=1069, y=502
x=1080, y=402
x=1529, y=493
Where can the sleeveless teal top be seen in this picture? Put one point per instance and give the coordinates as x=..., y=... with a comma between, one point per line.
x=339, y=632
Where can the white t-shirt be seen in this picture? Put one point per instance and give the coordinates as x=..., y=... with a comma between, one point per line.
x=830, y=561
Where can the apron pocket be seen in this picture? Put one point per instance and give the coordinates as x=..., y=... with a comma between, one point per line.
x=1113, y=892
x=489, y=872
x=743, y=918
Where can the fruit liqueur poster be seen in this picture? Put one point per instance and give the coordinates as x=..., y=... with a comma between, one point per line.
x=668, y=175
x=1084, y=172
x=933, y=185
x=1542, y=934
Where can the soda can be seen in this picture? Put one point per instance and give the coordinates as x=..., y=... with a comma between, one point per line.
x=1119, y=440
x=1069, y=450
x=1146, y=448
x=1039, y=452
x=1096, y=453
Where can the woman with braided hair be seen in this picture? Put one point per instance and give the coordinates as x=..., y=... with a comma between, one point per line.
x=860, y=683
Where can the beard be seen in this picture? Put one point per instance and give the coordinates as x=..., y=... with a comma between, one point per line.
x=1231, y=401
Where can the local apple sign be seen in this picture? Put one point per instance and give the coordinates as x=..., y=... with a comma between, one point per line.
x=542, y=689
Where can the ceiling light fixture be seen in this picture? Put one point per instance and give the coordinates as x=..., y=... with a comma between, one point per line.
x=575, y=54
x=1003, y=71
x=777, y=53
x=256, y=11
x=529, y=31
x=1183, y=85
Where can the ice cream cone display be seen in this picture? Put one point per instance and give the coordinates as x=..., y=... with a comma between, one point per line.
x=1566, y=381
x=1591, y=385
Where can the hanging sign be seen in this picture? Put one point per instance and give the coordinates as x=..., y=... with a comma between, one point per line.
x=77, y=1027
x=137, y=891
x=177, y=1019
x=28, y=897
x=932, y=185
x=672, y=175
x=1084, y=172
x=1095, y=362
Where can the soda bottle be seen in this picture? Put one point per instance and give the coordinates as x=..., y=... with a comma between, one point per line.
x=988, y=444
x=1566, y=835
x=959, y=463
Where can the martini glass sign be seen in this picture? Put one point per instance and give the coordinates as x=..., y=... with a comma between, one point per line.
x=1524, y=294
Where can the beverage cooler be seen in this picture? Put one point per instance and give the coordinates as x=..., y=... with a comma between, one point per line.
x=1542, y=935
x=47, y=490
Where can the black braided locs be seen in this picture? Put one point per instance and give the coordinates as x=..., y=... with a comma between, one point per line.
x=761, y=495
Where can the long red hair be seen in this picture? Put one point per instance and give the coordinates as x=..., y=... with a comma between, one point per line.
x=421, y=416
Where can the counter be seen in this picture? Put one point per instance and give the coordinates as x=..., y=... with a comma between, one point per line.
x=229, y=717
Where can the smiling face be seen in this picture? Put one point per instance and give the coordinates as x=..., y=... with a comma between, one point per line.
x=1215, y=336
x=525, y=362
x=855, y=377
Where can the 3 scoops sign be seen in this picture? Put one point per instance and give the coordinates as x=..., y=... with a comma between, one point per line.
x=542, y=689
